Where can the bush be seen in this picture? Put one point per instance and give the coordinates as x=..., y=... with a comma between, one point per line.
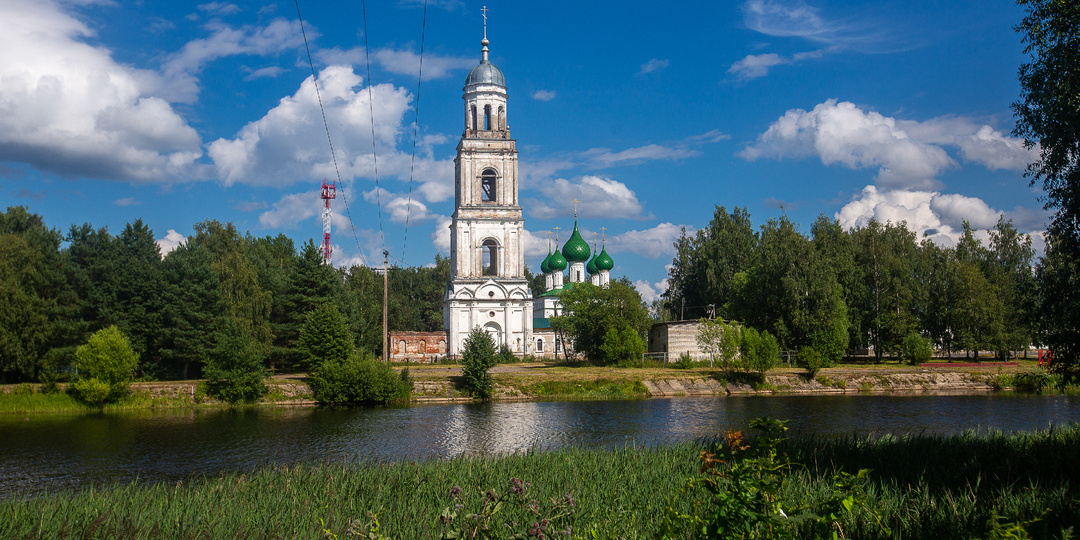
x=622, y=346
x=915, y=349
x=359, y=379
x=235, y=372
x=476, y=359
x=324, y=336
x=105, y=365
x=759, y=351
x=812, y=360
x=505, y=356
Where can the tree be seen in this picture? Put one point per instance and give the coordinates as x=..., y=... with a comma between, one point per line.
x=590, y=312
x=234, y=372
x=721, y=341
x=704, y=265
x=759, y=350
x=1058, y=277
x=359, y=379
x=476, y=359
x=137, y=285
x=325, y=336
x=1048, y=116
x=887, y=254
x=105, y=363
x=192, y=307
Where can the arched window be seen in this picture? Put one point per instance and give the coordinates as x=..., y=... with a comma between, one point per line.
x=490, y=251
x=487, y=185
x=473, y=123
x=500, y=121
x=539, y=345
x=487, y=117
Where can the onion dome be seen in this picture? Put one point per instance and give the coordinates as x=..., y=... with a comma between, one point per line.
x=576, y=248
x=544, y=268
x=603, y=261
x=557, y=263
x=591, y=267
x=485, y=72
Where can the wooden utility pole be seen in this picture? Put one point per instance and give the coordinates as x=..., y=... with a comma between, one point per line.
x=385, y=296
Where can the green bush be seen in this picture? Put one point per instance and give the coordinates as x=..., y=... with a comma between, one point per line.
x=505, y=356
x=359, y=379
x=622, y=346
x=812, y=360
x=476, y=359
x=105, y=364
x=916, y=349
x=235, y=372
x=759, y=352
x=1032, y=381
x=324, y=336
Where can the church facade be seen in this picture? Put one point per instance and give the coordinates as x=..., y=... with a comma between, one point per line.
x=487, y=288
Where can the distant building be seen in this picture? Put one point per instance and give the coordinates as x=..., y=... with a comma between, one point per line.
x=673, y=339
x=417, y=346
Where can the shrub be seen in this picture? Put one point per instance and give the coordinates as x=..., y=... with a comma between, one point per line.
x=476, y=359
x=359, y=379
x=759, y=351
x=1032, y=381
x=685, y=361
x=622, y=346
x=235, y=372
x=324, y=336
x=916, y=349
x=505, y=356
x=105, y=365
x=813, y=360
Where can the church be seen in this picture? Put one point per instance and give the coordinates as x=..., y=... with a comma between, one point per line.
x=488, y=287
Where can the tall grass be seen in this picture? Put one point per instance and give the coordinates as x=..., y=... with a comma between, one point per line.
x=923, y=486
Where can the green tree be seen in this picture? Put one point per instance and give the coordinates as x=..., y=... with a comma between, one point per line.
x=937, y=272
x=1009, y=269
x=759, y=351
x=701, y=275
x=590, y=312
x=275, y=261
x=621, y=345
x=137, y=284
x=311, y=283
x=325, y=336
x=359, y=379
x=105, y=363
x=836, y=248
x=477, y=358
x=887, y=255
x=721, y=341
x=1058, y=277
x=234, y=372
x=192, y=307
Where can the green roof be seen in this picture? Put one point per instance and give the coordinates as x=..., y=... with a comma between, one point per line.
x=603, y=260
x=576, y=248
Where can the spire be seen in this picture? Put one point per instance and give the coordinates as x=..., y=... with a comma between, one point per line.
x=484, y=42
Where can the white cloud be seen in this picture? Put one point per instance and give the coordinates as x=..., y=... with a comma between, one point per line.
x=934, y=215
x=292, y=209
x=250, y=206
x=440, y=237
x=758, y=65
x=263, y=73
x=401, y=62
x=711, y=136
x=604, y=157
x=219, y=8
x=171, y=241
x=651, y=243
x=797, y=19
x=180, y=83
x=654, y=65
x=908, y=154
x=598, y=197
x=67, y=107
x=543, y=95
x=127, y=201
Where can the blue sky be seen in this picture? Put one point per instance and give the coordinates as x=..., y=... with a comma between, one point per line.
x=649, y=115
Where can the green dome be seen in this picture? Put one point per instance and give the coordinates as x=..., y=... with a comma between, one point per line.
x=603, y=261
x=591, y=267
x=576, y=248
x=544, y=268
x=557, y=263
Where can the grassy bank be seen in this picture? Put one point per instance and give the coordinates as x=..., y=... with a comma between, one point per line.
x=921, y=486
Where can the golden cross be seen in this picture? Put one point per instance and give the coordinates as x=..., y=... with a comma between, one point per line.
x=484, y=10
x=603, y=237
x=549, y=242
x=557, y=234
x=575, y=201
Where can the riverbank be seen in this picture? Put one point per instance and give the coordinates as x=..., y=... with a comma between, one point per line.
x=440, y=383
x=919, y=486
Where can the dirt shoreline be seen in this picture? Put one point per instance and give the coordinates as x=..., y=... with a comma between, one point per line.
x=517, y=382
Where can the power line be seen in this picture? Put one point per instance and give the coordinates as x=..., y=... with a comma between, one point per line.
x=416, y=128
x=371, y=115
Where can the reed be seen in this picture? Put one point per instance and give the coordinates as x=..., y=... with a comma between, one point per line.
x=923, y=486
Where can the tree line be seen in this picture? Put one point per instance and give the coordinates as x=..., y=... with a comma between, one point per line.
x=876, y=286
x=219, y=285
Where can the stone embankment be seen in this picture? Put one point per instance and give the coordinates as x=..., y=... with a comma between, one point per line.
x=833, y=383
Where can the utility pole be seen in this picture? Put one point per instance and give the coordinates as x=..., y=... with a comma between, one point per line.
x=385, y=296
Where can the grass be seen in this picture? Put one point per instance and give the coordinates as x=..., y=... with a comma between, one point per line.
x=923, y=486
x=592, y=389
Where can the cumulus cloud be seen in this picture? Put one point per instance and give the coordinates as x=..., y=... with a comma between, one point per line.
x=598, y=197
x=169, y=242
x=758, y=65
x=934, y=215
x=907, y=154
x=653, y=243
x=654, y=65
x=288, y=144
x=67, y=107
x=543, y=95
x=399, y=61
x=440, y=237
x=650, y=292
x=291, y=209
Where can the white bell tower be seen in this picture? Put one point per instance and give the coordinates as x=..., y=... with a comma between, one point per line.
x=487, y=288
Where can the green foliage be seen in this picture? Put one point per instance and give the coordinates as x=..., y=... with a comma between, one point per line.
x=358, y=379
x=722, y=342
x=762, y=352
x=916, y=349
x=591, y=312
x=705, y=264
x=505, y=356
x=535, y=519
x=192, y=300
x=234, y=373
x=325, y=337
x=477, y=358
x=744, y=486
x=812, y=360
x=105, y=363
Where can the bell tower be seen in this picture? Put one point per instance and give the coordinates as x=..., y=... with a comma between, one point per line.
x=487, y=288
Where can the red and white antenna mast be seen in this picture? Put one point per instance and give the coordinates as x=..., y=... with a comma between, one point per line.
x=329, y=193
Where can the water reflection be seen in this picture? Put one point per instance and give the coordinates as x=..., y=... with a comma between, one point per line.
x=56, y=452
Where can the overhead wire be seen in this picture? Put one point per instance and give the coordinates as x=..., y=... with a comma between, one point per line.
x=416, y=128
x=371, y=115
x=329, y=140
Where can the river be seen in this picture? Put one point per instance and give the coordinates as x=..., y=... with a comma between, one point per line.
x=47, y=453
